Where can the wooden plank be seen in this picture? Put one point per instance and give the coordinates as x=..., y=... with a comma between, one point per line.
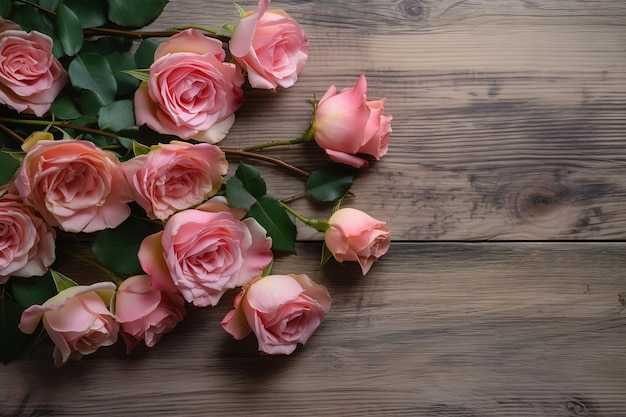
x=490, y=329
x=509, y=117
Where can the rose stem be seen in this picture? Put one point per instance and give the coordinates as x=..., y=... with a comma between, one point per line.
x=275, y=161
x=11, y=133
x=307, y=137
x=319, y=225
x=228, y=151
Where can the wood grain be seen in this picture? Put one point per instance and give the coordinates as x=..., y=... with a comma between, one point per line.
x=509, y=117
x=436, y=330
x=509, y=124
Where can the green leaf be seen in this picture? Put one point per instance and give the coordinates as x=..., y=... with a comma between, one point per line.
x=251, y=180
x=135, y=13
x=240, y=9
x=12, y=340
x=33, y=290
x=5, y=7
x=64, y=108
x=29, y=19
x=90, y=13
x=107, y=45
x=120, y=62
x=49, y=4
x=8, y=167
x=329, y=182
x=144, y=56
x=268, y=269
x=92, y=72
x=57, y=48
x=90, y=104
x=61, y=281
x=139, y=74
x=237, y=195
x=278, y=224
x=100, y=141
x=116, y=116
x=70, y=30
x=140, y=148
x=327, y=255
x=117, y=248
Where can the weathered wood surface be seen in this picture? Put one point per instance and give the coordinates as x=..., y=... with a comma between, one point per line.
x=509, y=124
x=464, y=330
x=510, y=116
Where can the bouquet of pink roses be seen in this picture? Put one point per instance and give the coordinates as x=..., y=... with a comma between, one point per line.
x=109, y=138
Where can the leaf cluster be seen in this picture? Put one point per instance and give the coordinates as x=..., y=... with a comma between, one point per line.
x=98, y=61
x=248, y=190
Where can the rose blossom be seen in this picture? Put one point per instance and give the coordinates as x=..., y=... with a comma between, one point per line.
x=145, y=313
x=77, y=320
x=205, y=251
x=30, y=76
x=75, y=185
x=270, y=46
x=356, y=236
x=26, y=241
x=192, y=93
x=281, y=310
x=175, y=176
x=346, y=124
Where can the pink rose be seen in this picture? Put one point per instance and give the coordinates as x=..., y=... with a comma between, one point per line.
x=75, y=185
x=175, y=176
x=346, y=124
x=281, y=310
x=30, y=76
x=145, y=313
x=206, y=251
x=192, y=93
x=356, y=236
x=270, y=46
x=77, y=320
x=26, y=241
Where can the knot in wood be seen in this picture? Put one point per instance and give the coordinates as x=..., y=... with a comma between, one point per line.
x=539, y=201
x=575, y=407
x=411, y=8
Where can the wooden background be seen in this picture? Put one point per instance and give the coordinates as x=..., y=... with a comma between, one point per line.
x=504, y=292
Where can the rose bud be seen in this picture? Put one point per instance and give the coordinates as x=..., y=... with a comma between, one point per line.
x=356, y=236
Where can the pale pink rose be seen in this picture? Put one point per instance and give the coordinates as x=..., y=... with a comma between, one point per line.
x=346, y=124
x=204, y=252
x=270, y=46
x=74, y=185
x=356, y=236
x=281, y=310
x=77, y=320
x=26, y=241
x=192, y=93
x=175, y=176
x=145, y=313
x=30, y=76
